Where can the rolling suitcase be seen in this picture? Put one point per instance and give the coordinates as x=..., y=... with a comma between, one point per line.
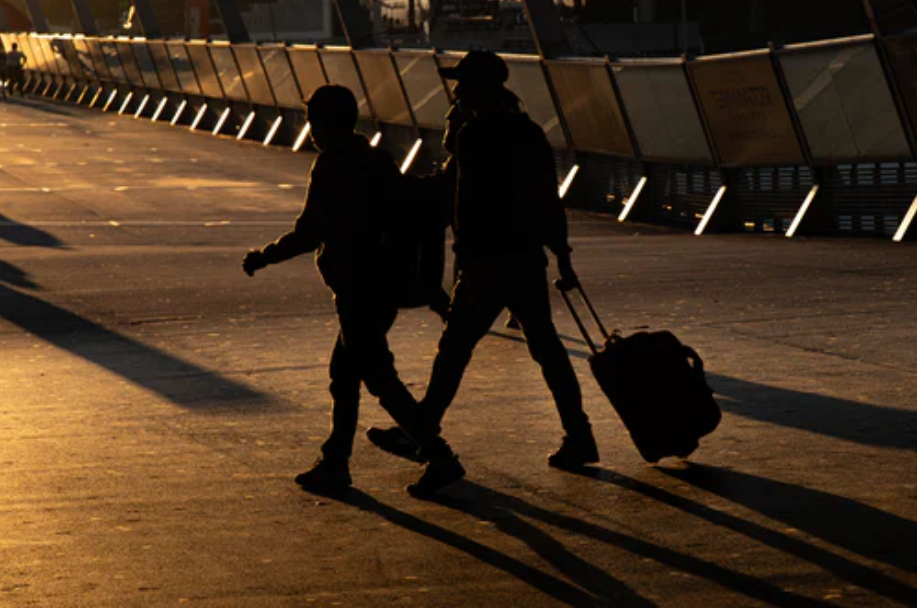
x=655, y=383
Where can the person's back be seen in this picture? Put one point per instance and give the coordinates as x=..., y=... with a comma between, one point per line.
x=351, y=193
x=507, y=188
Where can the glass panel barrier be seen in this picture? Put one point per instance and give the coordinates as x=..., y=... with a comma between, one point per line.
x=662, y=113
x=590, y=107
x=184, y=69
x=112, y=61
x=902, y=53
x=280, y=76
x=259, y=91
x=129, y=63
x=308, y=69
x=383, y=87
x=424, y=87
x=98, y=60
x=228, y=72
x=146, y=65
x=527, y=80
x=203, y=68
x=44, y=43
x=844, y=102
x=55, y=53
x=81, y=48
x=6, y=40
x=745, y=110
x=35, y=58
x=68, y=52
x=341, y=69
x=164, y=69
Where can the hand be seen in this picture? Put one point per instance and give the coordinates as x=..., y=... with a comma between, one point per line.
x=253, y=261
x=568, y=279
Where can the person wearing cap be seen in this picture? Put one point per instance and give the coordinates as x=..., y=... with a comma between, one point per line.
x=348, y=213
x=507, y=210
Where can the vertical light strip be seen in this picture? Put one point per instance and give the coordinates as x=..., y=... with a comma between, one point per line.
x=57, y=92
x=411, y=156
x=273, y=131
x=902, y=229
x=160, y=108
x=376, y=139
x=70, y=92
x=568, y=181
x=111, y=98
x=802, y=212
x=245, y=126
x=146, y=100
x=200, y=115
x=710, y=211
x=95, y=98
x=82, y=95
x=221, y=122
x=178, y=112
x=633, y=199
x=302, y=137
x=127, y=100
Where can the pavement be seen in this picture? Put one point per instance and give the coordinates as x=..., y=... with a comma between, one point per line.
x=156, y=403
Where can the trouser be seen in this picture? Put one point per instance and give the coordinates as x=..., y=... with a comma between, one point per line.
x=483, y=290
x=17, y=79
x=361, y=355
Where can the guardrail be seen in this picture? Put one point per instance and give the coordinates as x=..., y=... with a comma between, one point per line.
x=809, y=138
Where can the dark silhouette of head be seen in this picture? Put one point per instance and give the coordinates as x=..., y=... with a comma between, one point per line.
x=15, y=47
x=480, y=83
x=332, y=112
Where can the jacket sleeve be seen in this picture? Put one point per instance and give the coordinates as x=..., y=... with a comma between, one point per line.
x=306, y=233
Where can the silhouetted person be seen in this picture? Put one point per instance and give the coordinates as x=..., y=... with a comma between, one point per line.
x=3, y=76
x=15, y=60
x=507, y=211
x=349, y=210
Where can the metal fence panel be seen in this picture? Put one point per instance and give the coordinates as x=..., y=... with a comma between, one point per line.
x=259, y=89
x=279, y=74
x=425, y=89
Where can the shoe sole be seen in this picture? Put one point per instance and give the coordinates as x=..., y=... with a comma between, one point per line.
x=396, y=448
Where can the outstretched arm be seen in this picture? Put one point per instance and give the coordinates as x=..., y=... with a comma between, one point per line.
x=303, y=238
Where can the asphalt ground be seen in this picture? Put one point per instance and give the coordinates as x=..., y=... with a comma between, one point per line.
x=156, y=403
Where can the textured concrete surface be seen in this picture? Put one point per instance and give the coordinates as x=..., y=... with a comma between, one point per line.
x=155, y=405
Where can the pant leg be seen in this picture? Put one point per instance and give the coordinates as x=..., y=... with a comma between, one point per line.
x=364, y=326
x=529, y=301
x=476, y=303
x=345, y=403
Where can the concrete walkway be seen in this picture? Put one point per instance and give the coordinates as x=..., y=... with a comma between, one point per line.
x=155, y=405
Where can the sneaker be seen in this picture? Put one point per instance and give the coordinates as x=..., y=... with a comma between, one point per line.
x=438, y=474
x=394, y=441
x=327, y=475
x=575, y=453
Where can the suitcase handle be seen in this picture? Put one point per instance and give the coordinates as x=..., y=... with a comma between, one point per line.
x=576, y=316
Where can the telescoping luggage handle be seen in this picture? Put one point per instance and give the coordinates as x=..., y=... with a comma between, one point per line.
x=576, y=317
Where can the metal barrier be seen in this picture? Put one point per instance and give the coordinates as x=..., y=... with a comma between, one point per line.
x=810, y=138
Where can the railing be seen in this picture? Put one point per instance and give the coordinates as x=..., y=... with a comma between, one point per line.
x=810, y=138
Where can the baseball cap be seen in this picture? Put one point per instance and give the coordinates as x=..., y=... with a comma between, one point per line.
x=478, y=66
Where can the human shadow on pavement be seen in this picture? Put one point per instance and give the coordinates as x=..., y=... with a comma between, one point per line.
x=506, y=512
x=23, y=234
x=841, y=521
x=179, y=381
x=784, y=505
x=560, y=590
x=853, y=421
x=13, y=275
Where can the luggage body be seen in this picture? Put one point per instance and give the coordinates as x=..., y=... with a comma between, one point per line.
x=657, y=386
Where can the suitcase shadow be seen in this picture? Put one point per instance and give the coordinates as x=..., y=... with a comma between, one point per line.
x=854, y=421
x=846, y=523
